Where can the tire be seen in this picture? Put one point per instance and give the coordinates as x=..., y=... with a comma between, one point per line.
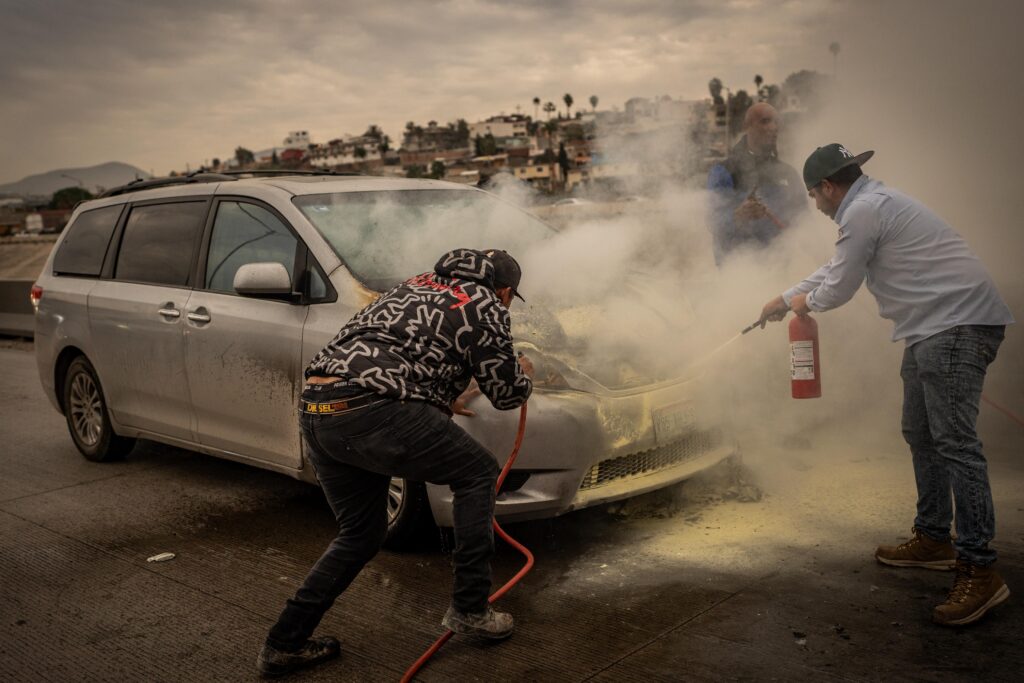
x=85, y=410
x=410, y=522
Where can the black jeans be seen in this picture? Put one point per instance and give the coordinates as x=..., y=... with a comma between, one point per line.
x=355, y=454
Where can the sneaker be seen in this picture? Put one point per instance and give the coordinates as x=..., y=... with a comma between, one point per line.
x=487, y=624
x=977, y=589
x=919, y=551
x=273, y=663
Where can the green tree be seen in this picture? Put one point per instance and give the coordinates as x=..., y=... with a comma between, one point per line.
x=574, y=131
x=462, y=132
x=536, y=107
x=215, y=163
x=485, y=146
x=567, y=98
x=360, y=152
x=437, y=170
x=68, y=197
x=810, y=87
x=244, y=157
x=415, y=171
x=593, y=102
x=549, y=109
x=738, y=106
x=274, y=160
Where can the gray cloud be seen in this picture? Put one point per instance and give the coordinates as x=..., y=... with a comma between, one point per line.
x=165, y=84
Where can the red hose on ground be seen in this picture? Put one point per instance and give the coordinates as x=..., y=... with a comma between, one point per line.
x=418, y=664
x=1004, y=411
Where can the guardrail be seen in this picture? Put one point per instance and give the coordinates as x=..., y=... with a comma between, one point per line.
x=17, y=316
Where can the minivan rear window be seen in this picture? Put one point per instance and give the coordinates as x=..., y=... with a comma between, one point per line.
x=82, y=250
x=158, y=243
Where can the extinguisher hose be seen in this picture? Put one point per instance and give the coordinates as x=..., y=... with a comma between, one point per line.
x=418, y=664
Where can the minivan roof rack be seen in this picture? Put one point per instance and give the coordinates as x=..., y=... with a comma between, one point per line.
x=140, y=184
x=268, y=172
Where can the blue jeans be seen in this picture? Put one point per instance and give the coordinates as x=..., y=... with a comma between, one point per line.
x=942, y=381
x=355, y=454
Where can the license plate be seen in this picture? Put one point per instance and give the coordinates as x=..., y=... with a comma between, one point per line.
x=672, y=421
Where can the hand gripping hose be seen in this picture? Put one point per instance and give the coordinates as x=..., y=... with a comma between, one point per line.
x=418, y=664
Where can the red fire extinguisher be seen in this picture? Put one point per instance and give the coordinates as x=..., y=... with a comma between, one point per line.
x=805, y=360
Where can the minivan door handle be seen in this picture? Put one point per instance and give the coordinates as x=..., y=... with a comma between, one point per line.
x=169, y=311
x=200, y=315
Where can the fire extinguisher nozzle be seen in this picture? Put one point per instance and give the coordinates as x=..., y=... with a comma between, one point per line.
x=751, y=326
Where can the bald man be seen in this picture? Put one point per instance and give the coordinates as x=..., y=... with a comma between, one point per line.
x=753, y=193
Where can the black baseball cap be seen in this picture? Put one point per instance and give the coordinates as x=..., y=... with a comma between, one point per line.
x=825, y=161
x=506, y=270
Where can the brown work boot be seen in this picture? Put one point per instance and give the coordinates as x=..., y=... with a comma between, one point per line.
x=920, y=551
x=487, y=624
x=977, y=589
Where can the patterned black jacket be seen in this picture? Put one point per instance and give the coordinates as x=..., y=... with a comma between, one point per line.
x=426, y=338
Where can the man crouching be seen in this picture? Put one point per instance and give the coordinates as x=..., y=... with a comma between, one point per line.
x=378, y=404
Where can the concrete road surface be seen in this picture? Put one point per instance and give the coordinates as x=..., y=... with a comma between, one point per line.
x=705, y=582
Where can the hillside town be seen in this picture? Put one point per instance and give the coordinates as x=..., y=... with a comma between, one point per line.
x=560, y=150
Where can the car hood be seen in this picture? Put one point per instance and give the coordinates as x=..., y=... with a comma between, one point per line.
x=565, y=338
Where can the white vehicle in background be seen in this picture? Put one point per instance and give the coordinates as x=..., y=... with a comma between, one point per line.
x=572, y=201
x=33, y=224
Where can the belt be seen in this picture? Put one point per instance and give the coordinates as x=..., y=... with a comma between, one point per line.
x=342, y=406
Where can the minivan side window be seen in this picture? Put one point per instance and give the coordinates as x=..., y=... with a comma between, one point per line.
x=82, y=250
x=158, y=243
x=246, y=233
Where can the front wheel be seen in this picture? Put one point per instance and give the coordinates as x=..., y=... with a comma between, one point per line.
x=86, y=413
x=409, y=518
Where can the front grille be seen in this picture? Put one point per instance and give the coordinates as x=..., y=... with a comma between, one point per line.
x=656, y=459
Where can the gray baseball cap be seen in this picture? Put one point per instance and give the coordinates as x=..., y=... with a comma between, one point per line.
x=826, y=160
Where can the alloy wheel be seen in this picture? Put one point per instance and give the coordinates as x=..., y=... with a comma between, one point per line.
x=396, y=498
x=86, y=409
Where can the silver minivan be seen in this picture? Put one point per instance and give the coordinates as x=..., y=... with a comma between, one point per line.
x=184, y=311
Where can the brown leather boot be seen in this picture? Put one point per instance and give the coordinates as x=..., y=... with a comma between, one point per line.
x=977, y=589
x=920, y=551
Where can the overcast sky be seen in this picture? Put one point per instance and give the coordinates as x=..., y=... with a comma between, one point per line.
x=162, y=85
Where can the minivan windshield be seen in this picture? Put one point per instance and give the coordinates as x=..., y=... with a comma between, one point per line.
x=386, y=237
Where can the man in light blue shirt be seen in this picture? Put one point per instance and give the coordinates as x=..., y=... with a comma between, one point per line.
x=947, y=309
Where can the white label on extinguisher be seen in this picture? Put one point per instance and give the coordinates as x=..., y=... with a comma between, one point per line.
x=801, y=355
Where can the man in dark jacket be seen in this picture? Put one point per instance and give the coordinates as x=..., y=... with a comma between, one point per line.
x=753, y=193
x=377, y=404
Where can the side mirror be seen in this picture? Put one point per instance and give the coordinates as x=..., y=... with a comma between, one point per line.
x=263, y=279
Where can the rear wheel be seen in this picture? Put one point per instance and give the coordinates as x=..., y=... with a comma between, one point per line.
x=410, y=521
x=85, y=410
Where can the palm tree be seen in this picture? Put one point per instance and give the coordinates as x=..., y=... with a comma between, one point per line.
x=567, y=98
x=536, y=106
x=549, y=107
x=834, y=49
x=593, y=102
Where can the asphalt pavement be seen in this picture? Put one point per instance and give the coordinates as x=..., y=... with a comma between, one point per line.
x=709, y=581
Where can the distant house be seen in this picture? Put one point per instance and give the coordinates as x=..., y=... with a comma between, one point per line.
x=11, y=221
x=355, y=150
x=501, y=126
